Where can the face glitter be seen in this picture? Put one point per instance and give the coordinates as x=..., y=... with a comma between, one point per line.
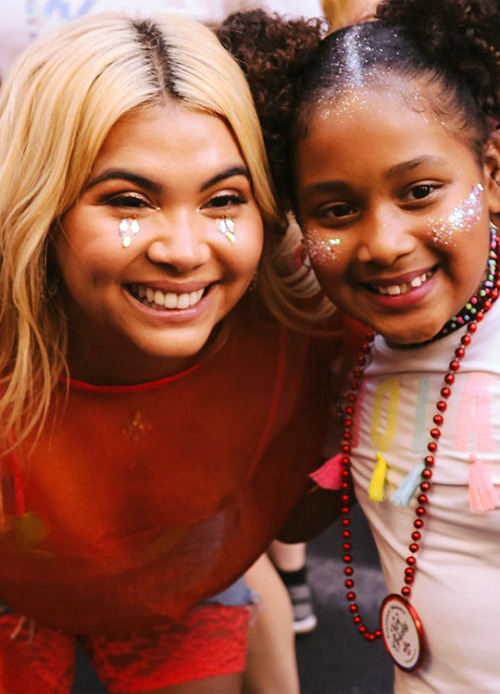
x=354, y=95
x=320, y=250
x=226, y=227
x=127, y=229
x=461, y=219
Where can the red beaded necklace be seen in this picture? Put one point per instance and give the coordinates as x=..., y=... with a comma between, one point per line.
x=400, y=626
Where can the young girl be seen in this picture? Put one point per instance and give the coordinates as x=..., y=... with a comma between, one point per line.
x=157, y=425
x=397, y=171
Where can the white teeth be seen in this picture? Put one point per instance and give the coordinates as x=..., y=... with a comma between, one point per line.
x=159, y=298
x=168, y=300
x=171, y=300
x=183, y=301
x=397, y=289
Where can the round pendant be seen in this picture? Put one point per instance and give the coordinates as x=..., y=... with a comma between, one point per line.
x=402, y=632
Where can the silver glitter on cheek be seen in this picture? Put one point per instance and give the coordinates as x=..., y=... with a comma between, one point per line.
x=461, y=219
x=319, y=249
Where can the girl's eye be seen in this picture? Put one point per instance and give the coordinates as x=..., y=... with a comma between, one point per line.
x=128, y=200
x=421, y=191
x=225, y=200
x=337, y=211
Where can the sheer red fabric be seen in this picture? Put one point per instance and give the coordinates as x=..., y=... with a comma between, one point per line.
x=211, y=641
x=138, y=502
x=41, y=660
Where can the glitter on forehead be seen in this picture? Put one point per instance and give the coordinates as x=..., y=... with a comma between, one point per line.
x=355, y=94
x=461, y=219
x=320, y=250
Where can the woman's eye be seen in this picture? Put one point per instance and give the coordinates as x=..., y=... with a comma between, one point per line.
x=225, y=200
x=128, y=200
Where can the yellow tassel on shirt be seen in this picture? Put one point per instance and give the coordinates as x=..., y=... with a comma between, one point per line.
x=377, y=483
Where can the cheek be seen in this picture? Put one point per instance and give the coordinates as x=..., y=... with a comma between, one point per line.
x=447, y=229
x=322, y=248
x=332, y=276
x=244, y=255
x=332, y=286
x=89, y=267
x=330, y=259
x=89, y=263
x=85, y=246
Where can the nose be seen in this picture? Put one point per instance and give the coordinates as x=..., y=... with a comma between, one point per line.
x=179, y=242
x=386, y=236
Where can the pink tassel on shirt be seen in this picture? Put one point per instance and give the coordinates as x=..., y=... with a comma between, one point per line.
x=483, y=495
x=329, y=475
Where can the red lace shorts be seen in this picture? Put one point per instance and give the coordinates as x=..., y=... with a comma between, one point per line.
x=210, y=641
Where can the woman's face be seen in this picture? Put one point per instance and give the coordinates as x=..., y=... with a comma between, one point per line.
x=394, y=208
x=147, y=253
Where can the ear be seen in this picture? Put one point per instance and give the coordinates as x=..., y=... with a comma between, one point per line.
x=491, y=170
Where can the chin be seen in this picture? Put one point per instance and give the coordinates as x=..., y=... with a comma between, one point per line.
x=408, y=330
x=411, y=338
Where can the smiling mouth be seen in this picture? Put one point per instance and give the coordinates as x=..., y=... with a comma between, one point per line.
x=156, y=299
x=399, y=289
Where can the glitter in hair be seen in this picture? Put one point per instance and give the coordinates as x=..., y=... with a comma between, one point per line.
x=354, y=62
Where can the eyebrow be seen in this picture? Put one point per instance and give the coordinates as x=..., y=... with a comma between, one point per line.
x=408, y=166
x=121, y=174
x=148, y=184
x=326, y=186
x=394, y=172
x=227, y=173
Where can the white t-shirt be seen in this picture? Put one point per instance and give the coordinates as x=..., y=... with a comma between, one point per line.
x=456, y=589
x=22, y=21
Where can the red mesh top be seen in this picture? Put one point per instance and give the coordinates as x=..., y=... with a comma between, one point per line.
x=138, y=502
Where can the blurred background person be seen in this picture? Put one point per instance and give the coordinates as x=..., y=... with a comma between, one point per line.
x=23, y=22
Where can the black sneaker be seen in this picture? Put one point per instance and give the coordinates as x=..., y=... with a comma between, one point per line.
x=304, y=619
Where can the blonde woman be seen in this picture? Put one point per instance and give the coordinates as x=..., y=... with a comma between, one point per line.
x=157, y=423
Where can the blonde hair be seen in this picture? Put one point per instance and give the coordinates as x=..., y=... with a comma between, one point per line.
x=56, y=108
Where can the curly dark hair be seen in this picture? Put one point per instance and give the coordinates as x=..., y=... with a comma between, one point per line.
x=452, y=47
x=273, y=52
x=459, y=37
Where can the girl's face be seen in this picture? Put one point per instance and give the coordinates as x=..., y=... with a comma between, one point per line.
x=394, y=209
x=146, y=310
